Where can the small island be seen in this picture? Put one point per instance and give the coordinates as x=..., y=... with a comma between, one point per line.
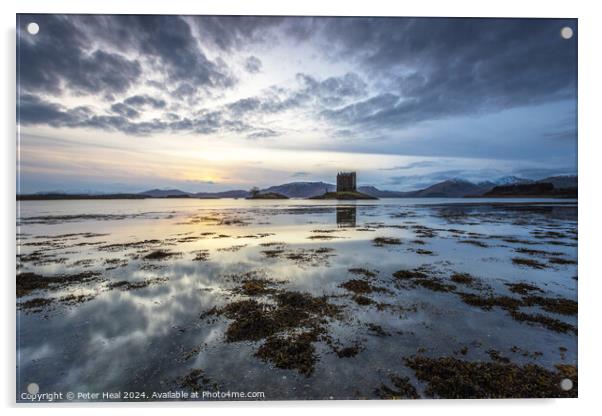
x=346, y=189
x=255, y=194
x=345, y=195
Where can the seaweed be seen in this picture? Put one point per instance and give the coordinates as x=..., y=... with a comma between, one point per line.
x=361, y=287
x=451, y=378
x=561, y=306
x=549, y=323
x=363, y=272
x=196, y=380
x=409, y=274
x=476, y=243
x=386, y=241
x=125, y=285
x=497, y=357
x=377, y=330
x=490, y=301
x=35, y=304
x=561, y=261
x=464, y=279
x=75, y=299
x=522, y=288
x=347, y=352
x=201, y=255
x=521, y=261
x=434, y=284
x=362, y=300
x=29, y=282
x=161, y=255
x=402, y=389
x=256, y=287
x=295, y=352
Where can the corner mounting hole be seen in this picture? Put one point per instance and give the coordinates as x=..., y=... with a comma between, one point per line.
x=566, y=32
x=33, y=28
x=566, y=384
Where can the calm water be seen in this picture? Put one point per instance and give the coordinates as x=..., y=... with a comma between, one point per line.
x=93, y=335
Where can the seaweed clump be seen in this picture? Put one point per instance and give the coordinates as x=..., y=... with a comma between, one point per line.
x=522, y=288
x=561, y=306
x=417, y=278
x=29, y=282
x=35, y=304
x=360, y=287
x=386, y=241
x=197, y=380
x=402, y=389
x=161, y=255
x=464, y=279
x=450, y=378
x=546, y=321
x=363, y=272
x=289, y=326
x=520, y=261
x=290, y=352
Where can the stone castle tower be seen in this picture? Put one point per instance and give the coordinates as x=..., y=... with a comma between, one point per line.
x=346, y=182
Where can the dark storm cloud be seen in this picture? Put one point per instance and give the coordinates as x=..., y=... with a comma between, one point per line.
x=169, y=41
x=36, y=111
x=33, y=110
x=125, y=110
x=401, y=70
x=59, y=57
x=433, y=68
x=64, y=55
x=140, y=101
x=253, y=64
x=233, y=32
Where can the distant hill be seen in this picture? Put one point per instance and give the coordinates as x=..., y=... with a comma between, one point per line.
x=375, y=192
x=301, y=189
x=267, y=195
x=452, y=188
x=238, y=193
x=537, y=189
x=560, y=182
x=164, y=193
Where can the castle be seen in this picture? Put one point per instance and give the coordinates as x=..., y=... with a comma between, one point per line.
x=346, y=182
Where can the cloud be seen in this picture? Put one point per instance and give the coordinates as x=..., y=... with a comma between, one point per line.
x=228, y=33
x=33, y=110
x=140, y=101
x=358, y=78
x=60, y=56
x=253, y=64
x=125, y=110
x=413, y=165
x=435, y=68
x=262, y=134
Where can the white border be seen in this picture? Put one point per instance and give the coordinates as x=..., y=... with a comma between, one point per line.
x=590, y=68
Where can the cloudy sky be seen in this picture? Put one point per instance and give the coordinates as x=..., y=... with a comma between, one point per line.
x=208, y=103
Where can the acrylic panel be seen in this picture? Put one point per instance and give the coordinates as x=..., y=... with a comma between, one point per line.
x=295, y=208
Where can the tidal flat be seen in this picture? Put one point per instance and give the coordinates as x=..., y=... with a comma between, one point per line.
x=299, y=299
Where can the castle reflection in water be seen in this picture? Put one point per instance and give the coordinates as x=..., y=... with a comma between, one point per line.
x=346, y=216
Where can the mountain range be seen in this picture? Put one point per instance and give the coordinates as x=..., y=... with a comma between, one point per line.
x=451, y=188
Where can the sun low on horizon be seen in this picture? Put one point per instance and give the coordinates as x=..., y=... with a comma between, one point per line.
x=123, y=103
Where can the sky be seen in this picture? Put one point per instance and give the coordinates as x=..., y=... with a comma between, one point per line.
x=124, y=103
